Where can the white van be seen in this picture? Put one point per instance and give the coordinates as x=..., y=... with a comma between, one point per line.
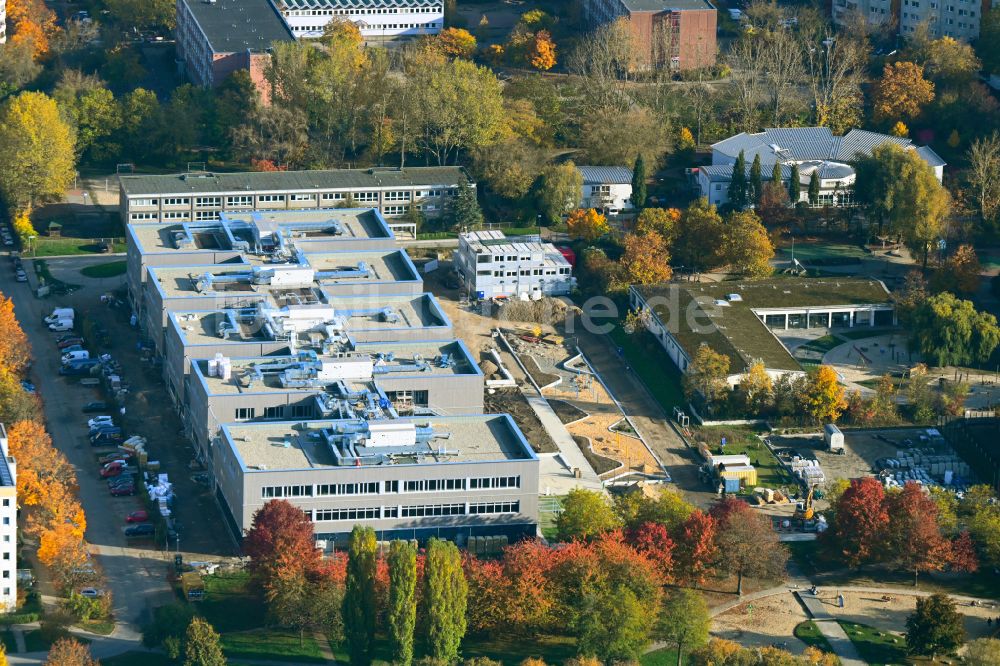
x=61, y=326
x=735, y=14
x=60, y=313
x=69, y=357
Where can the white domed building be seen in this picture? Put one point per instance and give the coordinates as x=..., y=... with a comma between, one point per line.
x=813, y=149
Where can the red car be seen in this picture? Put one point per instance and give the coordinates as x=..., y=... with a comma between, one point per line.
x=137, y=517
x=120, y=491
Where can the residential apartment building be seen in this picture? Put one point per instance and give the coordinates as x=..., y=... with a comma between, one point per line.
x=218, y=37
x=959, y=19
x=606, y=189
x=407, y=377
x=669, y=33
x=379, y=21
x=451, y=477
x=491, y=265
x=8, y=525
x=813, y=150
x=200, y=197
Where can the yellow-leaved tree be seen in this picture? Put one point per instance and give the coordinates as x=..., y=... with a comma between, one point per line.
x=542, y=55
x=902, y=91
x=36, y=151
x=456, y=43
x=900, y=129
x=587, y=224
x=646, y=259
x=824, y=399
x=14, y=350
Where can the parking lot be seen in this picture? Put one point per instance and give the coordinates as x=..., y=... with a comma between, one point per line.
x=136, y=568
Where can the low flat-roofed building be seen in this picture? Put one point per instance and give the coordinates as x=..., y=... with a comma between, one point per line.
x=408, y=478
x=248, y=237
x=263, y=331
x=736, y=318
x=493, y=265
x=413, y=377
x=319, y=278
x=378, y=21
x=203, y=196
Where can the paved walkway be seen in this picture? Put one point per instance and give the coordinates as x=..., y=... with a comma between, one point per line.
x=559, y=478
x=831, y=629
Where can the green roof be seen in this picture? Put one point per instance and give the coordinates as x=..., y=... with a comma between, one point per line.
x=735, y=329
x=282, y=181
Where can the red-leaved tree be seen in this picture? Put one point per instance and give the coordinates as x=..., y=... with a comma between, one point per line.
x=963, y=554
x=915, y=539
x=694, y=550
x=280, y=544
x=860, y=524
x=653, y=541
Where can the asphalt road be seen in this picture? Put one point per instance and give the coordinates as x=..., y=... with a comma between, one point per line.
x=136, y=572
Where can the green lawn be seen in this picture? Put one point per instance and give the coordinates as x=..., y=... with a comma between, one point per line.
x=228, y=605
x=664, y=657
x=510, y=650
x=824, y=251
x=809, y=633
x=548, y=511
x=742, y=439
x=648, y=359
x=272, y=644
x=866, y=332
x=823, y=344
x=878, y=648
x=102, y=627
x=110, y=269
x=55, y=247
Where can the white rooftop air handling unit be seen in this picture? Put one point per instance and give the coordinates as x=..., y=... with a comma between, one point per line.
x=292, y=276
x=352, y=367
x=392, y=434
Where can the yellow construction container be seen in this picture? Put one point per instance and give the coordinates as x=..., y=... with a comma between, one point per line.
x=747, y=474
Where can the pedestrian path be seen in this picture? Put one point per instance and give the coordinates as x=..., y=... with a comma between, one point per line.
x=831, y=629
x=558, y=478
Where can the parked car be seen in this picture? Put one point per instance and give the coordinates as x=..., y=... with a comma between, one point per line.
x=28, y=386
x=75, y=355
x=122, y=491
x=99, y=428
x=107, y=437
x=123, y=480
x=68, y=336
x=113, y=469
x=21, y=276
x=91, y=592
x=95, y=406
x=61, y=326
x=140, y=516
x=70, y=341
x=103, y=418
x=72, y=348
x=143, y=529
x=60, y=314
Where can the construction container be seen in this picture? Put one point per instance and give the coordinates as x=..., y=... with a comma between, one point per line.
x=746, y=474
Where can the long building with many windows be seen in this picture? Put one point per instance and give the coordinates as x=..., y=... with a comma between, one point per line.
x=959, y=19
x=679, y=34
x=379, y=21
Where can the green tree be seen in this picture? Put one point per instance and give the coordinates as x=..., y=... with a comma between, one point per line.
x=462, y=211
x=738, y=186
x=949, y=331
x=756, y=180
x=143, y=13
x=639, y=183
x=202, y=645
x=402, y=601
x=140, y=120
x=359, y=596
x=795, y=185
x=618, y=626
x=585, y=514
x=169, y=626
x=814, y=188
x=988, y=44
x=560, y=190
x=445, y=593
x=697, y=244
x=668, y=509
x=776, y=173
x=684, y=622
x=934, y=627
x=36, y=151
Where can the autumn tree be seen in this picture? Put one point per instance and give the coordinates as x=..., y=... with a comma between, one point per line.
x=935, y=626
x=824, y=398
x=915, y=539
x=201, y=645
x=71, y=652
x=653, y=540
x=748, y=245
x=960, y=273
x=857, y=535
x=707, y=375
x=560, y=190
x=616, y=137
x=697, y=243
x=684, y=621
x=949, y=331
x=963, y=558
x=143, y=13
x=36, y=151
x=668, y=508
x=585, y=514
x=455, y=43
x=15, y=353
x=359, y=596
x=33, y=25
x=756, y=388
x=402, y=616
x=982, y=652
x=445, y=592
x=695, y=551
x=587, y=224
x=902, y=91
x=542, y=53
x=835, y=70
x=646, y=259
x=984, y=172
x=280, y=543
x=747, y=544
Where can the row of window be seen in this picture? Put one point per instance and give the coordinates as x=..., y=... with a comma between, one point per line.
x=247, y=200
x=527, y=272
x=413, y=511
x=364, y=12
x=390, y=486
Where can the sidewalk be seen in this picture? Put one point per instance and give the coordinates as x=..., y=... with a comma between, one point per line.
x=831, y=629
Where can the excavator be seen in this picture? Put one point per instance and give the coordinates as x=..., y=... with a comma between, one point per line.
x=804, y=508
